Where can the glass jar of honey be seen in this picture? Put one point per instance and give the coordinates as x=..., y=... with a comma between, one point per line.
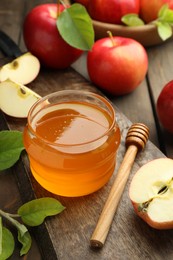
x=71, y=138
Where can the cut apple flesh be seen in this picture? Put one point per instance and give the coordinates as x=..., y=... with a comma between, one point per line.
x=16, y=99
x=151, y=192
x=23, y=69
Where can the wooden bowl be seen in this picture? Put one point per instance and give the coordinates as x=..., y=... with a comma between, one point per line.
x=147, y=34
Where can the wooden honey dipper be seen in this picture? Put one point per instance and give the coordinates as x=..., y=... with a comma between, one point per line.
x=136, y=139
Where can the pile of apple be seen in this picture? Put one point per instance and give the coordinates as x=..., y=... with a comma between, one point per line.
x=111, y=11
x=115, y=64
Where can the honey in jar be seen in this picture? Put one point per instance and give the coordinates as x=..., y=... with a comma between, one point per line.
x=71, y=139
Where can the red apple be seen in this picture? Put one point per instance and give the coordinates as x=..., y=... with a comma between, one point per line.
x=43, y=40
x=83, y=2
x=149, y=9
x=111, y=11
x=117, y=65
x=151, y=193
x=164, y=106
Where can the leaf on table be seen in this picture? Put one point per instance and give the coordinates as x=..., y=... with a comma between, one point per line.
x=132, y=20
x=7, y=242
x=26, y=241
x=23, y=236
x=11, y=146
x=75, y=27
x=35, y=211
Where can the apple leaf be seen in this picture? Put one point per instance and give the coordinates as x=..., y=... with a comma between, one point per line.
x=164, y=30
x=164, y=22
x=6, y=241
x=11, y=146
x=26, y=242
x=75, y=27
x=35, y=211
x=165, y=14
x=132, y=20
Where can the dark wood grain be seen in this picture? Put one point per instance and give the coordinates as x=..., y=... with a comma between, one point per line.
x=67, y=235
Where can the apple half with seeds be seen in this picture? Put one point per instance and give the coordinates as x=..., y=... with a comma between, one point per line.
x=16, y=99
x=23, y=69
x=151, y=193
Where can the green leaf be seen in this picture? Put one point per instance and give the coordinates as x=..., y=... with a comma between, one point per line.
x=163, y=10
x=11, y=146
x=35, y=211
x=8, y=244
x=132, y=20
x=165, y=14
x=26, y=241
x=164, y=30
x=75, y=27
x=23, y=234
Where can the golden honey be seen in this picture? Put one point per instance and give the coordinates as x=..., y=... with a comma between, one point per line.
x=71, y=139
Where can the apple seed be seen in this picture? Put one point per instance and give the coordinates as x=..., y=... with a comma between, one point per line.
x=15, y=64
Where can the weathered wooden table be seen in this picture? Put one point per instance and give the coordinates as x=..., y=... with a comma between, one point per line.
x=67, y=235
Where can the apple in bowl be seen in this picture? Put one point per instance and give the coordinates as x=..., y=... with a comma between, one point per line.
x=151, y=193
x=112, y=11
x=149, y=9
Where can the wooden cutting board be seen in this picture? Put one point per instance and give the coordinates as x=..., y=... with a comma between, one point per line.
x=66, y=236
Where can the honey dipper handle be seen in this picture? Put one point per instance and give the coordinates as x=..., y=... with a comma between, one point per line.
x=100, y=233
x=136, y=139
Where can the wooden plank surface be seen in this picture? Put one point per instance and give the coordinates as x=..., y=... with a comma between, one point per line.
x=67, y=236
x=72, y=229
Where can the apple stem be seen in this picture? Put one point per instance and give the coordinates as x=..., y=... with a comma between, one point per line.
x=58, y=6
x=111, y=37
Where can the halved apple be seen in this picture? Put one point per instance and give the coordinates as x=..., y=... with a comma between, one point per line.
x=151, y=193
x=23, y=69
x=16, y=99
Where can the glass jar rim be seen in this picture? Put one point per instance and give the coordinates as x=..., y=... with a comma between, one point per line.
x=83, y=93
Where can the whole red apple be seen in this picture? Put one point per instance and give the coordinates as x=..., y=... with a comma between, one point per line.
x=43, y=40
x=111, y=11
x=117, y=64
x=83, y=2
x=164, y=106
x=149, y=9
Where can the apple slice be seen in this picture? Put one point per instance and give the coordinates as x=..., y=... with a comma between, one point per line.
x=151, y=193
x=23, y=69
x=16, y=99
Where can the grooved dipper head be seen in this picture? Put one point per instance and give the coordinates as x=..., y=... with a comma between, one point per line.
x=137, y=135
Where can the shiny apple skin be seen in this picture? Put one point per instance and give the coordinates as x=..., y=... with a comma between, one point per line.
x=164, y=107
x=111, y=11
x=149, y=9
x=117, y=68
x=43, y=39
